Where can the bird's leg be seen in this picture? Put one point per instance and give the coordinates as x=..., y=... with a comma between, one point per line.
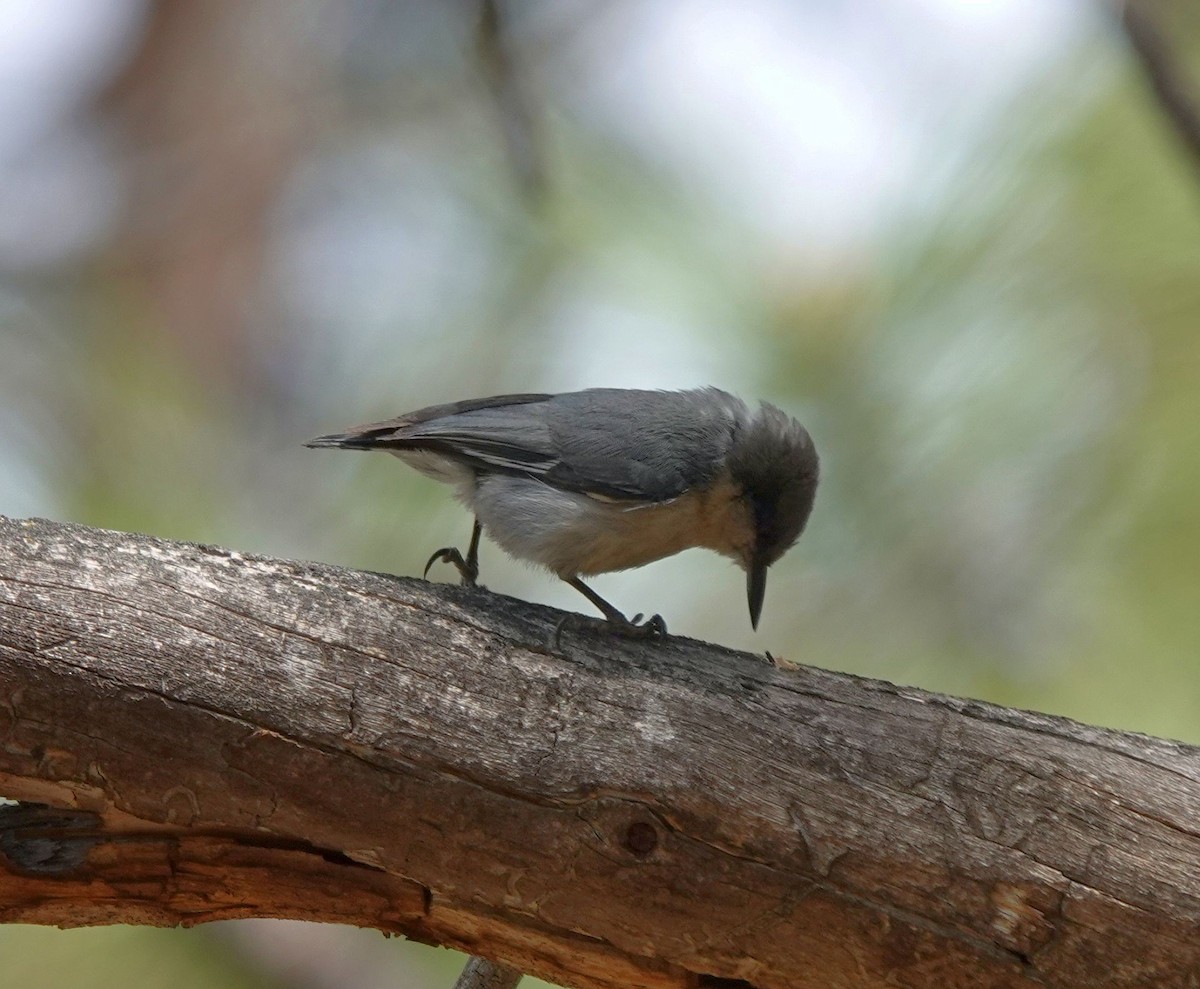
x=650, y=628
x=473, y=552
x=468, y=569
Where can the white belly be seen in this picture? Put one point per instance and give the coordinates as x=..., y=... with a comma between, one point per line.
x=573, y=534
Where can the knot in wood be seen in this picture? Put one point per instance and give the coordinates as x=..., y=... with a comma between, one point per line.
x=641, y=838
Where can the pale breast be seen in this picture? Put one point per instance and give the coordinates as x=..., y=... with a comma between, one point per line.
x=574, y=534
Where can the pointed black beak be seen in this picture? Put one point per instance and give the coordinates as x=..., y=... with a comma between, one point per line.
x=756, y=589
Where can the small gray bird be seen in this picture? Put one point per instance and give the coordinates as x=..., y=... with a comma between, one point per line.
x=608, y=479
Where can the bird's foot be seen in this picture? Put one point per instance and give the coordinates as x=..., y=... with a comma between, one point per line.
x=653, y=627
x=468, y=570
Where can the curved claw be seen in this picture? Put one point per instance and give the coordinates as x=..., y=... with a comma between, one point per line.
x=451, y=555
x=653, y=627
x=635, y=628
x=556, y=638
x=445, y=553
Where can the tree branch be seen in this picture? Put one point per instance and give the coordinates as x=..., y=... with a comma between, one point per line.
x=233, y=736
x=482, y=974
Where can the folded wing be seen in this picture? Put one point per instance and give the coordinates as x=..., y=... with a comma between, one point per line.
x=640, y=446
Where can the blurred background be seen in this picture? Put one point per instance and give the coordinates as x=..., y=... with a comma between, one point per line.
x=960, y=240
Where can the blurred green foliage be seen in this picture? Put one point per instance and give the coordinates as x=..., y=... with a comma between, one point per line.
x=117, y=958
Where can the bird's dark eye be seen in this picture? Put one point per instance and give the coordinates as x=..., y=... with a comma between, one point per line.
x=764, y=518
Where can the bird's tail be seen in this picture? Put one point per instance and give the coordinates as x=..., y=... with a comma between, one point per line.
x=343, y=441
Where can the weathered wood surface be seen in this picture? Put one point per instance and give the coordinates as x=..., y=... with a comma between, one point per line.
x=253, y=737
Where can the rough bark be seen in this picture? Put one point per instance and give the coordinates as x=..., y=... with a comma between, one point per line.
x=233, y=736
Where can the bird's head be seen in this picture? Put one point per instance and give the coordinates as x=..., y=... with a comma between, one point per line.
x=773, y=462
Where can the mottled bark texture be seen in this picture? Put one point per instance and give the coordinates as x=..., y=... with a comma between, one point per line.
x=227, y=736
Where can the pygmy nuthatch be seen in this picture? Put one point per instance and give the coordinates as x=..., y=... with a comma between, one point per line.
x=607, y=479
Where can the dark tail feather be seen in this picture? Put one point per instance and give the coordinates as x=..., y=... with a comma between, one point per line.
x=342, y=441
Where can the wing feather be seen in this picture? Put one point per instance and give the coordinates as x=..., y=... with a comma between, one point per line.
x=613, y=443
